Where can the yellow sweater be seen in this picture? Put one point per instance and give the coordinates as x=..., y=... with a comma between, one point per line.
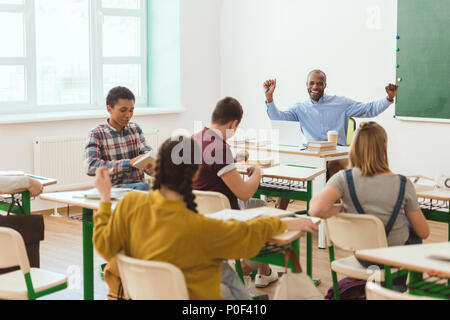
x=147, y=226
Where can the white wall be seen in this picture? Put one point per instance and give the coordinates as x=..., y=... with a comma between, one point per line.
x=200, y=90
x=353, y=41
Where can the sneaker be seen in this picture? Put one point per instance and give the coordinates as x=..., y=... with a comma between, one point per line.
x=262, y=281
x=247, y=282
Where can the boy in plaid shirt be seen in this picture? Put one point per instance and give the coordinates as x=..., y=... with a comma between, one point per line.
x=118, y=143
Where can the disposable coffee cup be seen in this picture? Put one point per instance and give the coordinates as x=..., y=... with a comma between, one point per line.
x=333, y=136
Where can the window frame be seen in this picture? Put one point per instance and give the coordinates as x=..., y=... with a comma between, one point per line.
x=97, y=61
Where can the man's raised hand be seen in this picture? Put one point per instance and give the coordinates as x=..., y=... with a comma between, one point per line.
x=391, y=90
x=269, y=88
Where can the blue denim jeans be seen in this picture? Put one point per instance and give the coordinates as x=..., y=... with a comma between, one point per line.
x=136, y=186
x=231, y=286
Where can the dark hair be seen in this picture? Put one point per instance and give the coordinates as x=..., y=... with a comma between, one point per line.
x=317, y=71
x=119, y=93
x=176, y=166
x=227, y=110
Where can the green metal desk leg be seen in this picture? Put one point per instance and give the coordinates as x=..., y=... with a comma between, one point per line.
x=334, y=274
x=88, y=255
x=388, y=277
x=239, y=272
x=26, y=202
x=309, y=235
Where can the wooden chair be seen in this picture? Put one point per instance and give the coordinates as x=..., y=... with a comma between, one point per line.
x=353, y=232
x=151, y=280
x=26, y=283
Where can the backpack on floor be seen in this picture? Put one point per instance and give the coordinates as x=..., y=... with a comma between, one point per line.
x=349, y=289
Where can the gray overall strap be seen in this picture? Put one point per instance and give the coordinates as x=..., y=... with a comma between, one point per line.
x=358, y=207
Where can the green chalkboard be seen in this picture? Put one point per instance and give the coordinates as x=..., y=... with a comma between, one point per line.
x=423, y=59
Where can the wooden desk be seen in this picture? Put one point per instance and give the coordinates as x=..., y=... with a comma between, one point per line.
x=22, y=205
x=88, y=206
x=435, y=204
x=339, y=153
x=415, y=258
x=294, y=156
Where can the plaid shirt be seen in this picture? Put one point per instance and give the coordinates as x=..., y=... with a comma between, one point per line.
x=106, y=147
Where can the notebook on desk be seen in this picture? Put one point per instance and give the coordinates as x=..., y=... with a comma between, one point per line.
x=441, y=255
x=11, y=173
x=94, y=194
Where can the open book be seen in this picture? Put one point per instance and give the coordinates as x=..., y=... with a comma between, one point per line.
x=260, y=162
x=43, y=180
x=11, y=173
x=245, y=215
x=147, y=158
x=94, y=194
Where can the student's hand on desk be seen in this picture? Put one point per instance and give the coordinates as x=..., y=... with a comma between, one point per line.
x=103, y=184
x=242, y=155
x=35, y=187
x=272, y=84
x=300, y=224
x=391, y=90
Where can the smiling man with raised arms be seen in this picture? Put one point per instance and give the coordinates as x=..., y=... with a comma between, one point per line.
x=322, y=113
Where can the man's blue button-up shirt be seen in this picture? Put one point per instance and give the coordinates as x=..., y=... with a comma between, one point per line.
x=331, y=113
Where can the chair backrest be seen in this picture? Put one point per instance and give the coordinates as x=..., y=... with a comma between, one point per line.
x=12, y=250
x=351, y=130
x=355, y=231
x=151, y=280
x=209, y=202
x=376, y=292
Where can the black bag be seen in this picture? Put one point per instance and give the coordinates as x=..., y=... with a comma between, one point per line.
x=31, y=228
x=349, y=289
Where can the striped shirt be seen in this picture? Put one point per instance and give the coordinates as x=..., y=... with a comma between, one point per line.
x=106, y=147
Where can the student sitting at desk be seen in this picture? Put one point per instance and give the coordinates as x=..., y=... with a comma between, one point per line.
x=10, y=183
x=218, y=172
x=370, y=187
x=118, y=143
x=166, y=227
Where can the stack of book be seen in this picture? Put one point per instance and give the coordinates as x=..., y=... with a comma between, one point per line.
x=260, y=162
x=320, y=146
x=256, y=143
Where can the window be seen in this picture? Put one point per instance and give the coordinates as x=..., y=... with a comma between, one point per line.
x=67, y=55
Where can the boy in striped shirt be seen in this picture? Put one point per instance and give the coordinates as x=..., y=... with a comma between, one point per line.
x=118, y=143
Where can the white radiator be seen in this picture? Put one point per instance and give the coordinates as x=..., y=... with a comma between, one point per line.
x=62, y=158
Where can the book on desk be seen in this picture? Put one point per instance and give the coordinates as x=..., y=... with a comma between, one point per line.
x=245, y=215
x=43, y=180
x=94, y=194
x=248, y=214
x=320, y=146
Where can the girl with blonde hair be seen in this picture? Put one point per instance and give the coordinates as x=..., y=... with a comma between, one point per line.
x=370, y=187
